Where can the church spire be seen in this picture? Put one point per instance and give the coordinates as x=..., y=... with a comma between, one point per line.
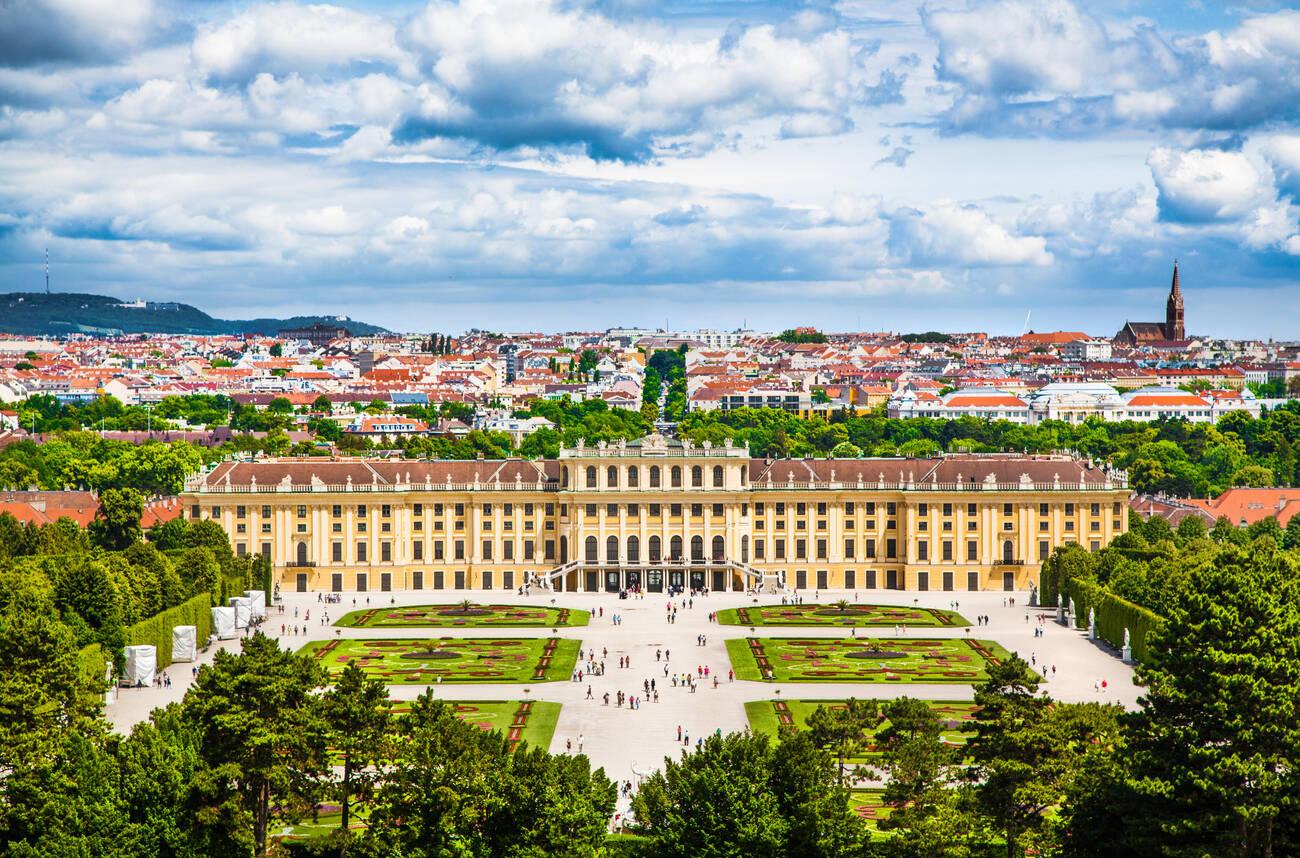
x=1174, y=329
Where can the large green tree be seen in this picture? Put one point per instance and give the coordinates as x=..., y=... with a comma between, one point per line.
x=1215, y=750
x=260, y=738
x=741, y=795
x=356, y=713
x=452, y=789
x=117, y=522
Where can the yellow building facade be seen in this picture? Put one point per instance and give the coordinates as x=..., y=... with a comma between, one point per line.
x=659, y=514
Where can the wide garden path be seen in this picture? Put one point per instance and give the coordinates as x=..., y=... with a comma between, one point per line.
x=627, y=743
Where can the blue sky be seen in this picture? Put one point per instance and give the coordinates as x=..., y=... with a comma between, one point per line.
x=578, y=164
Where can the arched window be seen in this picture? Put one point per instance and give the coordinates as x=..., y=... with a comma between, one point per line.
x=719, y=549
x=302, y=553
x=675, y=548
x=564, y=550
x=744, y=548
x=592, y=550
x=677, y=476
x=654, y=476
x=697, y=547
x=591, y=476
x=697, y=477
x=611, y=477
x=717, y=476
x=564, y=477
x=633, y=476
x=611, y=550
x=656, y=549
x=633, y=550
x=1008, y=552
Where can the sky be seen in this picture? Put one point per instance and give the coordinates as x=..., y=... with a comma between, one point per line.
x=526, y=165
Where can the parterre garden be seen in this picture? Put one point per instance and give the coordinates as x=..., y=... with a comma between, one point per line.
x=465, y=616
x=777, y=716
x=864, y=659
x=531, y=721
x=425, y=661
x=847, y=615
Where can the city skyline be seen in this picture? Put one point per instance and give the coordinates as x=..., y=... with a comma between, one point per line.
x=579, y=166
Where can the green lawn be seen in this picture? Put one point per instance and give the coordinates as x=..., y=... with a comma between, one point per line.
x=774, y=716
x=831, y=615
x=458, y=616
x=425, y=661
x=538, y=721
x=863, y=659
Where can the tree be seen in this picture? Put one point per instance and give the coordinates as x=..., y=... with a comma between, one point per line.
x=356, y=714
x=277, y=350
x=1215, y=749
x=117, y=521
x=842, y=731
x=716, y=801
x=260, y=739
x=917, y=767
x=280, y=405
x=276, y=442
x=846, y=450
x=452, y=789
x=1009, y=751
x=740, y=795
x=322, y=404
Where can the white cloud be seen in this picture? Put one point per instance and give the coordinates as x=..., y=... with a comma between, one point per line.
x=40, y=31
x=284, y=38
x=950, y=233
x=1206, y=185
x=1052, y=67
x=514, y=73
x=1283, y=153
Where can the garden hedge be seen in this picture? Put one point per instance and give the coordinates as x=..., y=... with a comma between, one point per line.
x=1113, y=616
x=92, y=661
x=157, y=630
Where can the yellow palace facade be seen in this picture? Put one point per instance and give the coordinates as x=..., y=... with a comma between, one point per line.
x=659, y=514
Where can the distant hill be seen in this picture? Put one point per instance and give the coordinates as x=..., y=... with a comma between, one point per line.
x=35, y=313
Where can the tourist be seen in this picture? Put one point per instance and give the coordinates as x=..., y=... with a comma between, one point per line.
x=588, y=692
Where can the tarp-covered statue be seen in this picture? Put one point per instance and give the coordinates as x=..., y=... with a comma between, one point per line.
x=243, y=610
x=223, y=623
x=257, y=601
x=141, y=664
x=185, y=641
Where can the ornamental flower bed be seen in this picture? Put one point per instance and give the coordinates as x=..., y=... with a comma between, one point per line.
x=432, y=660
x=460, y=616
x=867, y=659
x=833, y=615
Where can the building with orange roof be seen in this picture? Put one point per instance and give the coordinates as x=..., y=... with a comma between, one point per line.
x=1245, y=506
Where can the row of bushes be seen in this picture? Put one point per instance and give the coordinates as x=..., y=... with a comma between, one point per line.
x=157, y=630
x=1114, y=615
x=92, y=661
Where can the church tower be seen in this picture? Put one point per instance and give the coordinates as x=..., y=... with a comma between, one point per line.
x=1174, y=311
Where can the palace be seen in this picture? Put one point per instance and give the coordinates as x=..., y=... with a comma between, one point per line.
x=658, y=513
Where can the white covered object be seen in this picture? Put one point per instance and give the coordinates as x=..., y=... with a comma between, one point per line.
x=223, y=623
x=141, y=664
x=184, y=643
x=243, y=610
x=257, y=601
